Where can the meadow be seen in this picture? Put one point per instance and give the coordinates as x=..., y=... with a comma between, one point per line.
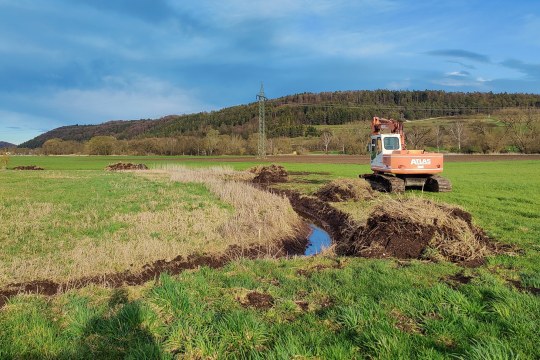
x=325, y=307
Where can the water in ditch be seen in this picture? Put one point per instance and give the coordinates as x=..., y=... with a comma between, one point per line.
x=318, y=241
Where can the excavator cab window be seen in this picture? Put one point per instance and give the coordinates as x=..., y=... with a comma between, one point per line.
x=379, y=146
x=391, y=143
x=371, y=148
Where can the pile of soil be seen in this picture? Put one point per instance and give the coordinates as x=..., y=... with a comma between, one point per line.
x=126, y=166
x=346, y=189
x=29, y=167
x=257, y=300
x=419, y=228
x=269, y=174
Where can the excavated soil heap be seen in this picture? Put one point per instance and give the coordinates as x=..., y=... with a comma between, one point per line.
x=418, y=228
x=29, y=167
x=345, y=189
x=126, y=166
x=269, y=174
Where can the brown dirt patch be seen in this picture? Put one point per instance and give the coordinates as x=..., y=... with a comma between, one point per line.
x=345, y=189
x=458, y=279
x=126, y=166
x=302, y=304
x=530, y=289
x=405, y=323
x=257, y=300
x=29, y=167
x=269, y=174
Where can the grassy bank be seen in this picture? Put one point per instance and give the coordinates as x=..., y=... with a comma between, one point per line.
x=68, y=224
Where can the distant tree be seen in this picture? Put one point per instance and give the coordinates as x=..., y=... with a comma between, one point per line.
x=53, y=147
x=101, y=145
x=487, y=137
x=211, y=141
x=326, y=139
x=4, y=160
x=523, y=128
x=440, y=131
x=418, y=136
x=457, y=131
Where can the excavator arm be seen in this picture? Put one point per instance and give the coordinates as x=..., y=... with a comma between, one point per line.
x=394, y=126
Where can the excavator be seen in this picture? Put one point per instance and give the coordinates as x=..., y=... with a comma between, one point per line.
x=395, y=168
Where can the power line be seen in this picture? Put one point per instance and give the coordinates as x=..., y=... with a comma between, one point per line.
x=402, y=107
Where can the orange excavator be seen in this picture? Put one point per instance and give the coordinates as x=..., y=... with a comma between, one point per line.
x=395, y=168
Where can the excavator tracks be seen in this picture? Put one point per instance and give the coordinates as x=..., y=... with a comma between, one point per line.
x=386, y=183
x=437, y=183
x=394, y=184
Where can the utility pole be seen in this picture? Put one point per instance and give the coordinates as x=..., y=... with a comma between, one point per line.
x=261, y=153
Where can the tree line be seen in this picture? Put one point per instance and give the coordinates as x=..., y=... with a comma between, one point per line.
x=507, y=130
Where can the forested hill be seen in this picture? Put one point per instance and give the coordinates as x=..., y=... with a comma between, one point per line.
x=4, y=144
x=293, y=115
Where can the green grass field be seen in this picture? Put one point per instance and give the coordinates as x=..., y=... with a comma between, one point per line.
x=323, y=307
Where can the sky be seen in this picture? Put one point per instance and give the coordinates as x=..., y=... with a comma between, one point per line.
x=66, y=62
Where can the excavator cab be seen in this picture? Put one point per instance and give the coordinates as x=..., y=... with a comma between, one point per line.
x=382, y=144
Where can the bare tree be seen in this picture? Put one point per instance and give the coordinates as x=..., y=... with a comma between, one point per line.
x=439, y=133
x=523, y=128
x=418, y=136
x=457, y=130
x=326, y=138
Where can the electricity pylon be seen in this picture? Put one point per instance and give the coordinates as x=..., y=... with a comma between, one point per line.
x=261, y=152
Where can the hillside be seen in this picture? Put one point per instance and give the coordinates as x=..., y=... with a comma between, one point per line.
x=4, y=144
x=295, y=115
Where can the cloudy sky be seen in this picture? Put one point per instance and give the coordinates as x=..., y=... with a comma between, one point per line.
x=88, y=61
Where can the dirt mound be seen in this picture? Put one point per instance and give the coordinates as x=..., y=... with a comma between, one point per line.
x=29, y=167
x=418, y=228
x=269, y=174
x=257, y=300
x=345, y=189
x=126, y=166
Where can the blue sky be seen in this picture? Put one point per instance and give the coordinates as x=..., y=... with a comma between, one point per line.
x=68, y=62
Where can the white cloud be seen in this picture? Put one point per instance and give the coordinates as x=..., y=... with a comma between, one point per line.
x=122, y=98
x=458, y=73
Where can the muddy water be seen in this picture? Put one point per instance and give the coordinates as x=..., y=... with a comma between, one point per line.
x=318, y=240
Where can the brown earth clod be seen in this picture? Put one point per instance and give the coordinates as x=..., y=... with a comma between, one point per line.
x=257, y=300
x=454, y=281
x=28, y=167
x=126, y=166
x=346, y=189
x=269, y=174
x=405, y=323
x=530, y=289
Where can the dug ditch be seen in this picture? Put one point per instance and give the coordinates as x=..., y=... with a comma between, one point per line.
x=379, y=238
